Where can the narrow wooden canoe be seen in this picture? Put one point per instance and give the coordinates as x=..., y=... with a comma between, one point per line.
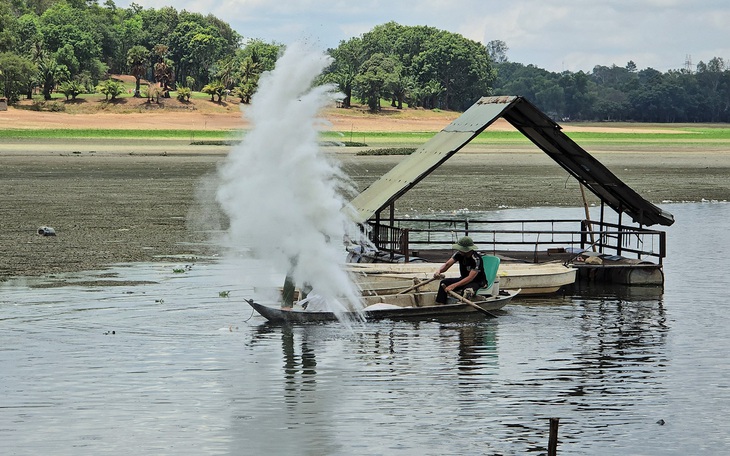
x=383, y=310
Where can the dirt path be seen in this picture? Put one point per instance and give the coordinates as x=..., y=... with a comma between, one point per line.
x=155, y=120
x=230, y=117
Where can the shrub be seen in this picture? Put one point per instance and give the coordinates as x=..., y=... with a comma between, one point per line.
x=245, y=91
x=183, y=93
x=215, y=88
x=71, y=89
x=154, y=92
x=111, y=89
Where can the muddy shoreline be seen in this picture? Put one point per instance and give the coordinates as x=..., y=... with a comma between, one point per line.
x=137, y=202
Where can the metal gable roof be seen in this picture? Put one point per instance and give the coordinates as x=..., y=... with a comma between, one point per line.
x=425, y=159
x=536, y=126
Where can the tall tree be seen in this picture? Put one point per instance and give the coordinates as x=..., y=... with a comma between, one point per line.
x=461, y=67
x=137, y=60
x=65, y=26
x=8, y=28
x=347, y=58
x=497, y=50
x=16, y=73
x=163, y=69
x=375, y=76
x=50, y=74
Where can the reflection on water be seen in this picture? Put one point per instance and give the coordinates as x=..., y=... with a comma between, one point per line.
x=173, y=366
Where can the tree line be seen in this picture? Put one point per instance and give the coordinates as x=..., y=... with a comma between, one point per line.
x=72, y=46
x=418, y=66
x=613, y=93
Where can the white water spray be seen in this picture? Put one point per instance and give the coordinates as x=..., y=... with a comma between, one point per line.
x=283, y=197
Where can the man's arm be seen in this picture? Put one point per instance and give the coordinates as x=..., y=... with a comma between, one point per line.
x=444, y=267
x=471, y=276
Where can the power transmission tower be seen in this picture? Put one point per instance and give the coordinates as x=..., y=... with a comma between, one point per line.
x=688, y=67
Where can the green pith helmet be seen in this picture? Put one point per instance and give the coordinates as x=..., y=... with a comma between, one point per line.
x=465, y=244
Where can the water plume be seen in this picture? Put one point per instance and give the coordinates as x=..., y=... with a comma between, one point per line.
x=283, y=197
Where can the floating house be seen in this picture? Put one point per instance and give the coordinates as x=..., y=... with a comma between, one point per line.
x=621, y=251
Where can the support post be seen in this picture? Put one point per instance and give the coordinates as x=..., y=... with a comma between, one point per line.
x=601, y=237
x=376, y=231
x=391, y=237
x=619, y=236
x=404, y=244
x=553, y=440
x=588, y=215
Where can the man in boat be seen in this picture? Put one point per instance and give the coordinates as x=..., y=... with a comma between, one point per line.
x=471, y=271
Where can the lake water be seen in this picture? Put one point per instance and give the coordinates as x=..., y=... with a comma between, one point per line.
x=178, y=368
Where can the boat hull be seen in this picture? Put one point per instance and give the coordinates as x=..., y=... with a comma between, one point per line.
x=532, y=279
x=278, y=315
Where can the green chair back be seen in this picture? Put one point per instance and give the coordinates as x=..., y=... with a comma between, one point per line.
x=491, y=265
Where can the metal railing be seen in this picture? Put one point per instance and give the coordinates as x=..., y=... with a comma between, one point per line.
x=410, y=234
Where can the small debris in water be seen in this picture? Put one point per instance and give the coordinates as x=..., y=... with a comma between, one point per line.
x=230, y=328
x=110, y=332
x=186, y=268
x=46, y=231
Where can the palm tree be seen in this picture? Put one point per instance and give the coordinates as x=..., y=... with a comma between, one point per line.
x=250, y=70
x=50, y=72
x=137, y=58
x=164, y=69
x=215, y=88
x=226, y=72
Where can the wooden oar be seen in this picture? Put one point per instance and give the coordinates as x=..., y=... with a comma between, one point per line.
x=474, y=305
x=419, y=284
